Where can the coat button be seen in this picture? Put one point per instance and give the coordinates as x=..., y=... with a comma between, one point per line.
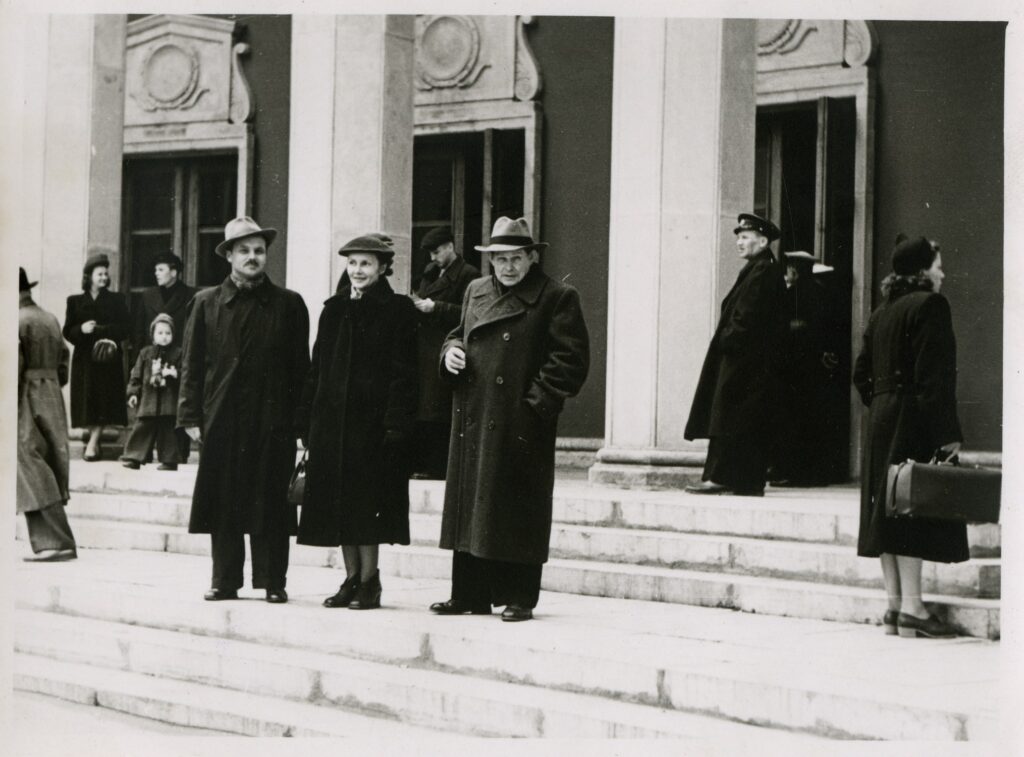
x=506, y=336
x=499, y=380
x=490, y=424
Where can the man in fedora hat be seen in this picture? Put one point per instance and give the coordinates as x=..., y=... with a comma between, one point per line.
x=439, y=302
x=42, y=429
x=735, y=394
x=246, y=354
x=520, y=349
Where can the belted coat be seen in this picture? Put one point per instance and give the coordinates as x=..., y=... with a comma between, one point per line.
x=736, y=389
x=244, y=361
x=906, y=375
x=357, y=413
x=97, y=389
x=447, y=291
x=42, y=422
x=527, y=350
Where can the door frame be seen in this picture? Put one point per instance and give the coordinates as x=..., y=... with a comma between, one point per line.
x=809, y=85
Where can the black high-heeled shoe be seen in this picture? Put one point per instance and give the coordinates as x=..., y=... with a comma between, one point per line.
x=346, y=593
x=889, y=622
x=368, y=595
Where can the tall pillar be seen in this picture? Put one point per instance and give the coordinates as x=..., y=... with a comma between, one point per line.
x=683, y=116
x=351, y=145
x=70, y=119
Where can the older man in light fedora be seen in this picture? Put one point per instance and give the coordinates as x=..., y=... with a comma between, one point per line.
x=520, y=350
x=245, y=359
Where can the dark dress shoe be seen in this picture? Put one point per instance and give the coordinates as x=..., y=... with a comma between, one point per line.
x=708, y=487
x=277, y=596
x=455, y=607
x=514, y=614
x=216, y=595
x=367, y=595
x=889, y=621
x=167, y=466
x=133, y=464
x=346, y=593
x=52, y=555
x=911, y=627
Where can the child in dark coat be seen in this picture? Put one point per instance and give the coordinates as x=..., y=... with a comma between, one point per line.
x=153, y=389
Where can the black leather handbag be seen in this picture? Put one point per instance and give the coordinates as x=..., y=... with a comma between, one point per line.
x=944, y=491
x=297, y=484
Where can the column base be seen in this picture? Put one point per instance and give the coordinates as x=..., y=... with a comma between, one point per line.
x=648, y=468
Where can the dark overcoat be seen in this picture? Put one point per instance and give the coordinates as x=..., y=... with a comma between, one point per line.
x=906, y=375
x=151, y=303
x=360, y=405
x=447, y=291
x=736, y=389
x=155, y=401
x=97, y=389
x=244, y=361
x=527, y=350
x=42, y=422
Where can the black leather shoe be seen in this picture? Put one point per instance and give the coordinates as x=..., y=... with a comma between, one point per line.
x=455, y=607
x=167, y=466
x=133, y=464
x=52, y=555
x=346, y=593
x=911, y=627
x=514, y=614
x=277, y=596
x=367, y=595
x=889, y=621
x=216, y=595
x=708, y=487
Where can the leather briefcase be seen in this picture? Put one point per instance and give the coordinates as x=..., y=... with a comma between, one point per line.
x=297, y=484
x=943, y=491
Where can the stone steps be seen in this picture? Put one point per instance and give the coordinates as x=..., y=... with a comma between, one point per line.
x=704, y=588
x=586, y=667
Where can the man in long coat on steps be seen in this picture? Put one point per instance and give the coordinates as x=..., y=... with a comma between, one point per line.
x=42, y=430
x=734, y=403
x=520, y=350
x=245, y=358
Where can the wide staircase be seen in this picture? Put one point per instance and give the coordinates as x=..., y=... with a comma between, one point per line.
x=637, y=632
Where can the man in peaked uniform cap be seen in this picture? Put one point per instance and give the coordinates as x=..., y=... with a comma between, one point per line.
x=245, y=358
x=520, y=349
x=735, y=394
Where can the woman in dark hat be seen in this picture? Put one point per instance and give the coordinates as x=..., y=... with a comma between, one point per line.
x=359, y=406
x=906, y=375
x=96, y=323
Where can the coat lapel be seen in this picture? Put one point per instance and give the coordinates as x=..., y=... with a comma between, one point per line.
x=489, y=305
x=447, y=279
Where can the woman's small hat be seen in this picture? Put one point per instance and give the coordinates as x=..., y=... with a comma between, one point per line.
x=95, y=261
x=375, y=244
x=241, y=227
x=23, y=283
x=764, y=227
x=510, y=235
x=910, y=256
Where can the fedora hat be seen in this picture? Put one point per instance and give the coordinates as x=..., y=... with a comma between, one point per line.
x=239, y=228
x=509, y=235
x=801, y=255
x=23, y=283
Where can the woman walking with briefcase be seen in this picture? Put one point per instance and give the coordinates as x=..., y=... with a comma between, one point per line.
x=906, y=375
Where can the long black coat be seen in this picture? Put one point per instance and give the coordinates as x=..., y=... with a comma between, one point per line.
x=359, y=406
x=526, y=351
x=151, y=303
x=906, y=375
x=737, y=387
x=97, y=389
x=244, y=361
x=447, y=291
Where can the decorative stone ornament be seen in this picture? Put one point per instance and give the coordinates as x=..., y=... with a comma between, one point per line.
x=786, y=44
x=169, y=78
x=449, y=53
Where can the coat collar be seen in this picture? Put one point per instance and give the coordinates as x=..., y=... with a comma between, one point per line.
x=490, y=305
x=179, y=294
x=377, y=293
x=449, y=276
x=228, y=291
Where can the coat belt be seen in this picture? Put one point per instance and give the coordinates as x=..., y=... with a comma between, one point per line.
x=890, y=384
x=41, y=373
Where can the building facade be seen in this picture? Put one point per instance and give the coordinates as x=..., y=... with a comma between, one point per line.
x=630, y=144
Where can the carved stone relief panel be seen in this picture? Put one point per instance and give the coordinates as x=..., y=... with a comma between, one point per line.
x=184, y=69
x=473, y=58
x=785, y=44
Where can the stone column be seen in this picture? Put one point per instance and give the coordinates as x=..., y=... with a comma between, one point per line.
x=351, y=145
x=683, y=115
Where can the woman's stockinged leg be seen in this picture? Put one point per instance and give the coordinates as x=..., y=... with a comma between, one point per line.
x=351, y=555
x=368, y=556
x=93, y=443
x=891, y=576
x=910, y=583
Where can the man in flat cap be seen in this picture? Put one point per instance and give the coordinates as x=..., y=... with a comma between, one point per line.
x=42, y=488
x=733, y=403
x=439, y=302
x=170, y=295
x=246, y=355
x=520, y=349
